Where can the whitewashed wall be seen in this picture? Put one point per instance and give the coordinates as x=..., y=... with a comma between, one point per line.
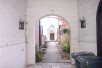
x=87, y=36
x=37, y=9
x=12, y=40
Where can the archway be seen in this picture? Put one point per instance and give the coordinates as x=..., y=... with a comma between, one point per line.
x=99, y=29
x=34, y=14
x=58, y=32
x=30, y=35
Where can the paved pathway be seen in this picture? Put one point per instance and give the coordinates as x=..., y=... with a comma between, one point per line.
x=52, y=55
x=52, y=65
x=52, y=59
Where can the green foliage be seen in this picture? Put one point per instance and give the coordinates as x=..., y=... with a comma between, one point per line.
x=66, y=30
x=44, y=46
x=39, y=56
x=66, y=48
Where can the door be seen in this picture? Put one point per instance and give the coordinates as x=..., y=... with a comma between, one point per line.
x=52, y=36
x=99, y=30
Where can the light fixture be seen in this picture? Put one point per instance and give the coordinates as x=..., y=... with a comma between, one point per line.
x=83, y=23
x=21, y=24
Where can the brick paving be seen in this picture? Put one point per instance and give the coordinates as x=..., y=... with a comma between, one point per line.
x=52, y=55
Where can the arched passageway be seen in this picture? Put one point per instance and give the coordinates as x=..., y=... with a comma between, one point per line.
x=30, y=32
x=34, y=14
x=53, y=40
x=13, y=41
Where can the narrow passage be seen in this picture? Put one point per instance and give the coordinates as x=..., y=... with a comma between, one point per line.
x=52, y=55
x=52, y=59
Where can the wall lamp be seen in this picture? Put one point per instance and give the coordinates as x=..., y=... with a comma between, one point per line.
x=21, y=24
x=83, y=23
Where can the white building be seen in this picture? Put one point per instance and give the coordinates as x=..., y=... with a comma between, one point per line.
x=52, y=34
x=17, y=46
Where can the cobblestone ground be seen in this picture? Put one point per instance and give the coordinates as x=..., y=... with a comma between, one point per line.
x=52, y=65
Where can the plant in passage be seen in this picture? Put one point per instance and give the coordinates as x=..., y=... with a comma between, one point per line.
x=39, y=56
x=66, y=30
x=66, y=48
x=44, y=46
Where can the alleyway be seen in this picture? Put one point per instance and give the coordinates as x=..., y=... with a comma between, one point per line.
x=52, y=59
x=52, y=55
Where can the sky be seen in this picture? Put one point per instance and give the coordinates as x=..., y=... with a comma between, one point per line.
x=47, y=22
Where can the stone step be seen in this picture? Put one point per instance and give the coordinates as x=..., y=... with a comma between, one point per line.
x=52, y=65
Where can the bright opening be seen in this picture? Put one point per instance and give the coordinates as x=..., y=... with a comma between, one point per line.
x=52, y=35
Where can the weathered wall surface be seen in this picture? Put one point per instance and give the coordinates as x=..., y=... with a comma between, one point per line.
x=36, y=9
x=87, y=36
x=12, y=40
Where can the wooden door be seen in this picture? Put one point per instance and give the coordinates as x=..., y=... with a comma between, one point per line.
x=52, y=36
x=99, y=30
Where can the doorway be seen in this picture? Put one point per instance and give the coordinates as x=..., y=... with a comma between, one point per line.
x=99, y=29
x=52, y=36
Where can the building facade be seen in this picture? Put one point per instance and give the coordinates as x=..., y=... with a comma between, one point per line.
x=16, y=44
x=52, y=34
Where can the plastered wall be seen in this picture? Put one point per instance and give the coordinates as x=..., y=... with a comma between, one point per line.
x=12, y=40
x=87, y=35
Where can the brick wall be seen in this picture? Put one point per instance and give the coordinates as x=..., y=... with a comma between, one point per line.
x=64, y=24
x=12, y=40
x=87, y=36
